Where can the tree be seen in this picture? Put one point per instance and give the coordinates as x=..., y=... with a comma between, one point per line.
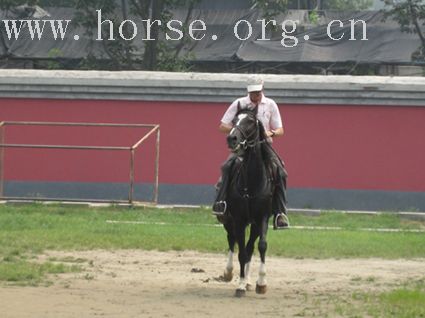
x=160, y=10
x=9, y=6
x=122, y=52
x=410, y=14
x=347, y=4
x=56, y=3
x=117, y=51
x=328, y=4
x=271, y=8
x=158, y=54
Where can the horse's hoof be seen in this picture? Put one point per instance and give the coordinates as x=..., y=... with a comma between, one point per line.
x=261, y=289
x=249, y=287
x=227, y=276
x=240, y=293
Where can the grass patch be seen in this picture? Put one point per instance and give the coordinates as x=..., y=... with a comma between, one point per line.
x=32, y=274
x=403, y=302
x=30, y=229
x=353, y=221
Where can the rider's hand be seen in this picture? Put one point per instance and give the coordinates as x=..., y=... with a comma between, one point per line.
x=270, y=133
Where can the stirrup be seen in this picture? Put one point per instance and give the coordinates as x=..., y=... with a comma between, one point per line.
x=285, y=220
x=219, y=212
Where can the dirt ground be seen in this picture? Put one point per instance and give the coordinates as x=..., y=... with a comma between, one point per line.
x=134, y=283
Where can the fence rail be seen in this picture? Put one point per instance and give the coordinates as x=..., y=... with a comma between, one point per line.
x=131, y=149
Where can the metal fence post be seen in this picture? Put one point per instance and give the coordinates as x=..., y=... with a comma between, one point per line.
x=156, y=185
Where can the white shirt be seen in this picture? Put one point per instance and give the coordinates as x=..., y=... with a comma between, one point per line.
x=268, y=112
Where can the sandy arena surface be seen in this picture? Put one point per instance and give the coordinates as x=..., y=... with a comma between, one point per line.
x=134, y=283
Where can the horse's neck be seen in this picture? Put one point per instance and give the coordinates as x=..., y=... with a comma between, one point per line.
x=255, y=165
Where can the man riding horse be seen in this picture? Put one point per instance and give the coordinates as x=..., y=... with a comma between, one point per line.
x=268, y=113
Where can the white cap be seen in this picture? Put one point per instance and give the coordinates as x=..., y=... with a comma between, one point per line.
x=255, y=85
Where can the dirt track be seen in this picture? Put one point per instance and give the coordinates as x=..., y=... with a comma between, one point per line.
x=133, y=283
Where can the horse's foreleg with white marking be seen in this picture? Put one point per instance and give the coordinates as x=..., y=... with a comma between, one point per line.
x=242, y=256
x=228, y=271
x=248, y=276
x=240, y=291
x=261, y=287
x=254, y=233
x=261, y=282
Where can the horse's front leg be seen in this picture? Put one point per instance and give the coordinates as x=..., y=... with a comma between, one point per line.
x=261, y=287
x=240, y=238
x=254, y=233
x=228, y=271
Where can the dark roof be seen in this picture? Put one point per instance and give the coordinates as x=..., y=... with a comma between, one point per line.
x=385, y=42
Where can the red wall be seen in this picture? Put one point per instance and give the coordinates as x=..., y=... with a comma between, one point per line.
x=337, y=147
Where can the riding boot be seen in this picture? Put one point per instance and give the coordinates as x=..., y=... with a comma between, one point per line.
x=220, y=205
x=279, y=201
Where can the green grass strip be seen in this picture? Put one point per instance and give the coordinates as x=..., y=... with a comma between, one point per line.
x=36, y=227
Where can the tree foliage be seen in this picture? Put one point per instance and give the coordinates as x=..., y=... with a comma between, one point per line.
x=410, y=14
x=347, y=4
x=158, y=54
x=271, y=8
x=323, y=4
x=8, y=4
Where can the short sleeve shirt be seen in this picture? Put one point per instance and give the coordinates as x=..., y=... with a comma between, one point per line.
x=268, y=112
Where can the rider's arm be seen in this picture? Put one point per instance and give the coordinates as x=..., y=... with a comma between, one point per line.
x=226, y=122
x=275, y=132
x=275, y=121
x=225, y=128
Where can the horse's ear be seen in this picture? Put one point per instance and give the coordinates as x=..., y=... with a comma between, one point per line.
x=239, y=106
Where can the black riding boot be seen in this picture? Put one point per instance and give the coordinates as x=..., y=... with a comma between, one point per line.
x=279, y=200
x=220, y=205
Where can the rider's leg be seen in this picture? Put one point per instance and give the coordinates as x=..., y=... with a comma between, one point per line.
x=280, y=220
x=220, y=205
x=279, y=200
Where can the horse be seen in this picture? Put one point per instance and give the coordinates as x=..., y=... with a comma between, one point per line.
x=249, y=198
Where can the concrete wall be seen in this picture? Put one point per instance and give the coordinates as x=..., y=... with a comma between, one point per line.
x=350, y=142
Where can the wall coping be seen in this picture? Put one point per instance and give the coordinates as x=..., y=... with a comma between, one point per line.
x=211, y=87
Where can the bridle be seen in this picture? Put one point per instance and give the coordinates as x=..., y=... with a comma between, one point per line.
x=248, y=141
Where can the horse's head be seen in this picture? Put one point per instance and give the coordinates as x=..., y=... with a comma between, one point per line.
x=247, y=131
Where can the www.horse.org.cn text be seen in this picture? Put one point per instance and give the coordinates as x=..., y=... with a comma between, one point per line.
x=175, y=30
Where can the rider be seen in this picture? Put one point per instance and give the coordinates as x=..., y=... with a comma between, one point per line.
x=268, y=114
